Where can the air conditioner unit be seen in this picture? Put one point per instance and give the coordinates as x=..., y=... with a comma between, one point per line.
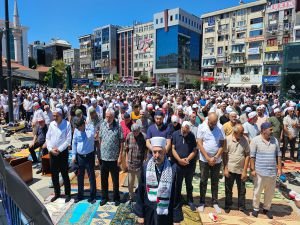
x=218, y=20
x=279, y=42
x=233, y=28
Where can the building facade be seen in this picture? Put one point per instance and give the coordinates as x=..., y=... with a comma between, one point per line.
x=36, y=50
x=54, y=50
x=125, y=42
x=143, y=50
x=86, y=51
x=177, y=38
x=72, y=58
x=297, y=22
x=105, y=50
x=18, y=39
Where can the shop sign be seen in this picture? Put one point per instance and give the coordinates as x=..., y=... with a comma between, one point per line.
x=245, y=79
x=80, y=81
x=257, y=38
x=253, y=51
x=281, y=6
x=96, y=83
x=271, y=79
x=271, y=49
x=207, y=79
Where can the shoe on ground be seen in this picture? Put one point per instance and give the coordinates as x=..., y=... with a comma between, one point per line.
x=38, y=171
x=77, y=200
x=268, y=213
x=201, y=207
x=242, y=209
x=54, y=198
x=68, y=198
x=192, y=206
x=255, y=213
x=91, y=200
x=117, y=203
x=103, y=202
x=227, y=210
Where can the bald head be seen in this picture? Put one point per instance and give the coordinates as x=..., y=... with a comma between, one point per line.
x=212, y=120
x=238, y=130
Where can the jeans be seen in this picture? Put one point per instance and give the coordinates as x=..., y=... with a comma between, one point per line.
x=112, y=167
x=241, y=190
x=187, y=173
x=292, y=146
x=86, y=162
x=213, y=171
x=59, y=164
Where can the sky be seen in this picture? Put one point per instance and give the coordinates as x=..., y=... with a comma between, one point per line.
x=69, y=19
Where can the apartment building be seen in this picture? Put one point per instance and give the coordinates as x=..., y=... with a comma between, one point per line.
x=143, y=50
x=86, y=55
x=125, y=42
x=105, y=47
x=233, y=41
x=177, y=51
x=71, y=57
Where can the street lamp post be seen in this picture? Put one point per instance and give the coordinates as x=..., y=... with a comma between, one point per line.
x=8, y=63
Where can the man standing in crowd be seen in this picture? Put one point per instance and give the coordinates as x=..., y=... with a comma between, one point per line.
x=210, y=143
x=135, y=146
x=264, y=152
x=236, y=159
x=250, y=128
x=184, y=150
x=228, y=127
x=83, y=155
x=291, y=130
x=158, y=198
x=277, y=125
x=58, y=139
x=111, y=148
x=144, y=122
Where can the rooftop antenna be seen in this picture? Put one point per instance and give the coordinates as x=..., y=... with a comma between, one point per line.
x=241, y=2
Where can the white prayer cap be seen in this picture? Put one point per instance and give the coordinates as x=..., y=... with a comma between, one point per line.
x=150, y=106
x=229, y=109
x=223, y=103
x=248, y=110
x=58, y=110
x=186, y=124
x=252, y=115
x=156, y=107
x=293, y=104
x=233, y=113
x=36, y=99
x=179, y=107
x=277, y=110
x=259, y=107
x=290, y=108
x=93, y=101
x=195, y=106
x=158, y=142
x=274, y=106
x=35, y=104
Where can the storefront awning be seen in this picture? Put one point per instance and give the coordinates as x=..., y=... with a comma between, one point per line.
x=242, y=85
x=221, y=84
x=234, y=85
x=249, y=85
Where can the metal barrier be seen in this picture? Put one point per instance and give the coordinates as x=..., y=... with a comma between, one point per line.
x=14, y=216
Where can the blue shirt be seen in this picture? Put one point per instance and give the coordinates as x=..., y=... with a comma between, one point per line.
x=154, y=131
x=184, y=146
x=83, y=141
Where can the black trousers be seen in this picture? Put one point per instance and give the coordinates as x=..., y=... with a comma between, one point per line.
x=292, y=146
x=86, y=162
x=213, y=172
x=241, y=190
x=112, y=167
x=33, y=154
x=28, y=116
x=187, y=173
x=59, y=164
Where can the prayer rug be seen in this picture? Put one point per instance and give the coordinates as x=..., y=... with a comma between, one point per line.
x=80, y=214
x=104, y=214
x=124, y=216
x=190, y=217
x=57, y=209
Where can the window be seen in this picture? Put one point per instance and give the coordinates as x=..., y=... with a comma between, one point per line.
x=156, y=21
x=176, y=16
x=171, y=18
x=241, y=23
x=286, y=40
x=255, y=33
x=254, y=57
x=182, y=18
x=255, y=44
x=161, y=20
x=272, y=42
x=297, y=35
x=220, y=50
x=224, y=16
x=226, y=48
x=145, y=28
x=179, y=16
x=221, y=38
x=241, y=12
x=256, y=20
x=241, y=35
x=257, y=8
x=209, y=29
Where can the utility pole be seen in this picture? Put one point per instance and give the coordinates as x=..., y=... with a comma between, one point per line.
x=8, y=63
x=1, y=68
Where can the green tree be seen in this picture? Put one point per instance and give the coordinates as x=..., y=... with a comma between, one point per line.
x=144, y=78
x=163, y=81
x=32, y=63
x=196, y=84
x=116, y=77
x=60, y=72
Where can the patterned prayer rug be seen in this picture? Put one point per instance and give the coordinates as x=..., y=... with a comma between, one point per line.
x=104, y=214
x=80, y=214
x=124, y=216
x=58, y=208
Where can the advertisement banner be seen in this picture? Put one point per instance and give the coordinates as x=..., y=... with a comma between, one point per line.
x=280, y=6
x=80, y=81
x=271, y=49
x=253, y=51
x=257, y=38
x=271, y=79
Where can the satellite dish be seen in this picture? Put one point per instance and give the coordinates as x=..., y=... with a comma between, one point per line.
x=293, y=87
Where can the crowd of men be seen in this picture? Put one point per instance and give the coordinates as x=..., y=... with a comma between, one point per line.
x=161, y=136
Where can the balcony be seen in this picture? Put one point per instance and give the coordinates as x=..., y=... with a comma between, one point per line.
x=274, y=58
x=237, y=61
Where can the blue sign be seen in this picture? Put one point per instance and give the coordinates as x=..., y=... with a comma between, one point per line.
x=271, y=79
x=96, y=83
x=80, y=81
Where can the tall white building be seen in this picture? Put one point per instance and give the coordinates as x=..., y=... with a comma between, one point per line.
x=18, y=39
x=71, y=58
x=143, y=50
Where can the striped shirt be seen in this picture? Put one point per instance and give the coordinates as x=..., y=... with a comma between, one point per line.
x=265, y=154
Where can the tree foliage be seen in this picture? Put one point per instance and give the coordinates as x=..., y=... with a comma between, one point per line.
x=163, y=81
x=144, y=78
x=196, y=84
x=60, y=71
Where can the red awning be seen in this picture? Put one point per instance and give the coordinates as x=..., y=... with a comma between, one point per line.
x=207, y=79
